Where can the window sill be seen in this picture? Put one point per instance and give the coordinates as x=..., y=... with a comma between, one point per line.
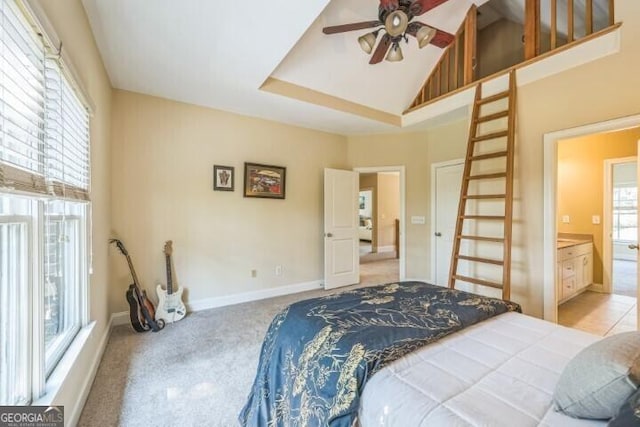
x=65, y=366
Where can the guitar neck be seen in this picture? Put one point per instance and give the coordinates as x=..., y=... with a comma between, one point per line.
x=133, y=273
x=169, y=275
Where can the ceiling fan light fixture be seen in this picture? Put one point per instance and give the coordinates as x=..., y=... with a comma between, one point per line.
x=424, y=35
x=368, y=41
x=396, y=23
x=395, y=53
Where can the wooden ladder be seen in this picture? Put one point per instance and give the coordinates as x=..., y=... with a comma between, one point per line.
x=475, y=158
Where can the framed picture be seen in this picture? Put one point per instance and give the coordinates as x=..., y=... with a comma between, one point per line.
x=264, y=181
x=223, y=178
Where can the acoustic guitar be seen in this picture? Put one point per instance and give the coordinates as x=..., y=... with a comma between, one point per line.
x=170, y=305
x=141, y=310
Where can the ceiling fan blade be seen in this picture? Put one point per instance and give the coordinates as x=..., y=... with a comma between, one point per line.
x=351, y=27
x=426, y=5
x=381, y=50
x=442, y=39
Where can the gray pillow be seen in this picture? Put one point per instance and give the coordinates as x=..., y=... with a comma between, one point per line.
x=597, y=381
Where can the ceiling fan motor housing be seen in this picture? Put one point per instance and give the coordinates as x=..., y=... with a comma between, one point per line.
x=396, y=21
x=410, y=8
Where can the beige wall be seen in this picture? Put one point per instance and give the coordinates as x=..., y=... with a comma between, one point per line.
x=417, y=152
x=581, y=183
x=500, y=46
x=388, y=208
x=70, y=23
x=163, y=156
x=601, y=90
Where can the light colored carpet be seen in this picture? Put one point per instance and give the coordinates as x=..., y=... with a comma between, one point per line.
x=196, y=372
x=625, y=277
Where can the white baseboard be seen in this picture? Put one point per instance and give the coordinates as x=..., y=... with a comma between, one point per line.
x=122, y=318
x=386, y=249
x=596, y=287
x=214, y=302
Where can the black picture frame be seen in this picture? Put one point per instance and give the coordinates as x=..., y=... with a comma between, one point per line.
x=264, y=181
x=223, y=178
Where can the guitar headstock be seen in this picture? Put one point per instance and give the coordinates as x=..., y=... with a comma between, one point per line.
x=168, y=248
x=120, y=246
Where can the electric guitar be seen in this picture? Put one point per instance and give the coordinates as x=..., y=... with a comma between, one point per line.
x=141, y=310
x=170, y=305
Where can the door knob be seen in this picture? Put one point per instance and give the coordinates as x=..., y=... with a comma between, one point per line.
x=328, y=235
x=438, y=234
x=633, y=246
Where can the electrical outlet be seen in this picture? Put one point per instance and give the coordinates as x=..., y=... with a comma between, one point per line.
x=254, y=273
x=418, y=220
x=565, y=219
x=595, y=219
x=278, y=270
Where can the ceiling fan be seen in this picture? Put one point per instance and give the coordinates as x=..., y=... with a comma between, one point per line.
x=394, y=18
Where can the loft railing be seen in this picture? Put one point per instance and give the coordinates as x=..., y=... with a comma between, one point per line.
x=457, y=69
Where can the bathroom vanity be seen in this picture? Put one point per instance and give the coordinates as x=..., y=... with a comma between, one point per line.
x=575, y=266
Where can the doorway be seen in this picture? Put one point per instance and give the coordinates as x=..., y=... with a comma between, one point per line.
x=577, y=226
x=381, y=228
x=621, y=210
x=446, y=180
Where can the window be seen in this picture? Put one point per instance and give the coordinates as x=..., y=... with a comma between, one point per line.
x=625, y=214
x=44, y=208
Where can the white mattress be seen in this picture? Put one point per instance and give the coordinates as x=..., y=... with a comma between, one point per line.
x=500, y=372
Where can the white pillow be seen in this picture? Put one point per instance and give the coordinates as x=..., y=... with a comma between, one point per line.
x=597, y=381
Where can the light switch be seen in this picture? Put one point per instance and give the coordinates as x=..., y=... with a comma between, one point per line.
x=565, y=219
x=595, y=219
x=417, y=220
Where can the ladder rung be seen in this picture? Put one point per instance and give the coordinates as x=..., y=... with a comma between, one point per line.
x=489, y=136
x=487, y=217
x=483, y=196
x=478, y=281
x=482, y=238
x=493, y=98
x=484, y=260
x=494, y=116
x=489, y=156
x=488, y=176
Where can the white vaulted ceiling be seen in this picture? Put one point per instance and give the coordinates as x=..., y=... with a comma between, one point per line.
x=218, y=54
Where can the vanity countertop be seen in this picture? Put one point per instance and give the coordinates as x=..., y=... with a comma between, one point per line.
x=566, y=243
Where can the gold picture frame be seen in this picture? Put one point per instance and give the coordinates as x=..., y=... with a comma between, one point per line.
x=265, y=181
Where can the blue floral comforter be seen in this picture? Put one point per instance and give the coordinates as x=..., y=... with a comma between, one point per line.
x=318, y=354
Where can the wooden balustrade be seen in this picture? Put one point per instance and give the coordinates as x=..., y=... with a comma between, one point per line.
x=446, y=74
x=456, y=68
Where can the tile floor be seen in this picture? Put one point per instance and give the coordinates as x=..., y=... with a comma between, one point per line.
x=599, y=314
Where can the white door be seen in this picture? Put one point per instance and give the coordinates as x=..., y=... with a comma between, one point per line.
x=636, y=247
x=448, y=181
x=341, y=256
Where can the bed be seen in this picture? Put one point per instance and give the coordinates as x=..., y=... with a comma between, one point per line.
x=500, y=372
x=411, y=354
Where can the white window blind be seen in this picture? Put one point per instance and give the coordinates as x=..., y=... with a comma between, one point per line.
x=44, y=127
x=66, y=137
x=21, y=103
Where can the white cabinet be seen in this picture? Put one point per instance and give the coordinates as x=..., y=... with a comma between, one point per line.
x=575, y=270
